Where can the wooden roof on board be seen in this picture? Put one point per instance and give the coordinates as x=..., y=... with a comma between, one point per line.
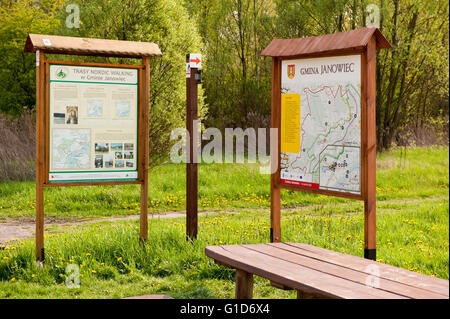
x=88, y=46
x=325, y=43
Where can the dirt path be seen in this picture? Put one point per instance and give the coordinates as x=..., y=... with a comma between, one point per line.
x=25, y=228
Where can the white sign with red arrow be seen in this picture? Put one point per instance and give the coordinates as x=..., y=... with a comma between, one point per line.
x=195, y=60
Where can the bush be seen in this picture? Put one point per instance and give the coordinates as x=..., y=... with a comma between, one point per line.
x=17, y=149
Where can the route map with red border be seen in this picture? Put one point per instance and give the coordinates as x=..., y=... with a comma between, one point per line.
x=330, y=123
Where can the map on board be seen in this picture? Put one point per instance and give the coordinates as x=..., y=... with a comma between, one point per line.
x=71, y=148
x=322, y=148
x=94, y=108
x=123, y=109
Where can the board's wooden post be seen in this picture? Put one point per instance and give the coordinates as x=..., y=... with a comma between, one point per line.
x=275, y=191
x=244, y=285
x=191, y=163
x=40, y=146
x=143, y=226
x=370, y=138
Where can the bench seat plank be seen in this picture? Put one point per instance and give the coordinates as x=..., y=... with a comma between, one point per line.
x=432, y=284
x=292, y=275
x=359, y=277
x=318, y=271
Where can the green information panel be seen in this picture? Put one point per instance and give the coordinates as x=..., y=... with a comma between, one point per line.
x=93, y=123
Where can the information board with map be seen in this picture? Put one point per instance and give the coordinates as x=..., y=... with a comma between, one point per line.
x=321, y=123
x=93, y=122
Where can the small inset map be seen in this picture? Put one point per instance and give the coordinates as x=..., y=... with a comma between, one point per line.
x=123, y=109
x=339, y=168
x=95, y=108
x=71, y=148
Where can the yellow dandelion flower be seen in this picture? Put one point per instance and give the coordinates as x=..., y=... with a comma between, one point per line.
x=119, y=259
x=13, y=279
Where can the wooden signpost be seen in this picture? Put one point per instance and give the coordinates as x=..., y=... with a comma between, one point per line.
x=92, y=119
x=323, y=105
x=193, y=78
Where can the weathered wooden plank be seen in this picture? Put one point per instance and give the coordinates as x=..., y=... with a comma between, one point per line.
x=143, y=221
x=325, y=43
x=432, y=284
x=275, y=191
x=370, y=150
x=350, y=274
x=91, y=47
x=291, y=275
x=191, y=165
x=40, y=153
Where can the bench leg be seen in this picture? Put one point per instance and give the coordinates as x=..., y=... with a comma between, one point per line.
x=305, y=295
x=244, y=285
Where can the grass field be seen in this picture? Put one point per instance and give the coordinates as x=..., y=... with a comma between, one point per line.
x=412, y=229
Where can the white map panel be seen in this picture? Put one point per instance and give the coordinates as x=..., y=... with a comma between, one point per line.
x=330, y=123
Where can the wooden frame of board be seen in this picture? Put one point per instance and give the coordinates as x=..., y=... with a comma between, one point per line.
x=363, y=42
x=42, y=44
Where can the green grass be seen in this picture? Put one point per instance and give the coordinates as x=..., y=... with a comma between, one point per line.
x=412, y=231
x=414, y=173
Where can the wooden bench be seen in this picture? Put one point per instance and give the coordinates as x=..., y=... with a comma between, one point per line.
x=320, y=273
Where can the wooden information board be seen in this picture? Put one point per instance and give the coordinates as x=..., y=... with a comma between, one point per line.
x=91, y=118
x=323, y=106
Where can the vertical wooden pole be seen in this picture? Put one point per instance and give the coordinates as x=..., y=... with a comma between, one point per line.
x=191, y=165
x=40, y=153
x=143, y=223
x=275, y=191
x=244, y=285
x=370, y=180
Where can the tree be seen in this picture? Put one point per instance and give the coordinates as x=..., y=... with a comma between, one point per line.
x=17, y=68
x=166, y=23
x=236, y=79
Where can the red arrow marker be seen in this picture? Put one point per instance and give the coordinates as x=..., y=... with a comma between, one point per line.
x=196, y=60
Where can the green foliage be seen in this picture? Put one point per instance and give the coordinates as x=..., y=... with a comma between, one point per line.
x=412, y=235
x=227, y=187
x=412, y=77
x=237, y=79
x=165, y=23
x=17, y=68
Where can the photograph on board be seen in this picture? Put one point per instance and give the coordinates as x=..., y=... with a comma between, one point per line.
x=59, y=118
x=128, y=155
x=109, y=161
x=116, y=146
x=119, y=163
x=72, y=114
x=98, y=161
x=101, y=147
